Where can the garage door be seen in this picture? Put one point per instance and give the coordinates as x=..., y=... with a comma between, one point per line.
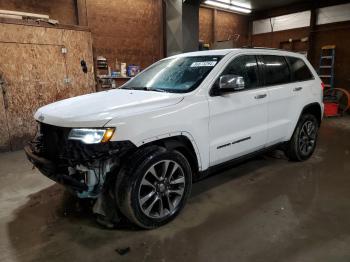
x=32, y=75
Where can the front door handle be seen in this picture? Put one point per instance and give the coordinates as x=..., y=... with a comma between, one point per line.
x=260, y=96
x=297, y=89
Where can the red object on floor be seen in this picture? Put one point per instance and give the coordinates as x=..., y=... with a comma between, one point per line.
x=331, y=109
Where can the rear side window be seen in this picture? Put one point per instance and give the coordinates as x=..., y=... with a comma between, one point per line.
x=299, y=70
x=276, y=70
x=245, y=66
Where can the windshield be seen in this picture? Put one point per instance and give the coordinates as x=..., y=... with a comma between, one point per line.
x=176, y=75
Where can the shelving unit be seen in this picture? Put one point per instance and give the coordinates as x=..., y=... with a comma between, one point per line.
x=107, y=82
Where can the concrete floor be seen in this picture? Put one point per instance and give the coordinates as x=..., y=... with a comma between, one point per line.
x=267, y=209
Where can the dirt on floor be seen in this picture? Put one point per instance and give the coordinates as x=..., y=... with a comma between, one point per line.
x=266, y=209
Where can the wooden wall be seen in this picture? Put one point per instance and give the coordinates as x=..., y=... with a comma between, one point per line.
x=130, y=31
x=62, y=10
x=221, y=26
x=274, y=39
x=229, y=24
x=279, y=39
x=35, y=72
x=206, y=20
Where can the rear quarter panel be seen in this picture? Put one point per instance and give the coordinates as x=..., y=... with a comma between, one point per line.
x=313, y=93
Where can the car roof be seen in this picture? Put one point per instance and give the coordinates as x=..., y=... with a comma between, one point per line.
x=223, y=52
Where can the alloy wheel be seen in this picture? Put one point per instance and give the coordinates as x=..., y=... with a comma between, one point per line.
x=307, y=137
x=161, y=190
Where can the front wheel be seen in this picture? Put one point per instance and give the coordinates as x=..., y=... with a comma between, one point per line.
x=303, y=142
x=154, y=187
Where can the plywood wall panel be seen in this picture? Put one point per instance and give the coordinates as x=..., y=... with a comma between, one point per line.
x=31, y=83
x=129, y=30
x=61, y=10
x=79, y=47
x=35, y=70
x=77, y=43
x=30, y=34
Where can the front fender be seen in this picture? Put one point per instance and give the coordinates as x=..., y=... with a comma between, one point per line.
x=175, y=134
x=189, y=118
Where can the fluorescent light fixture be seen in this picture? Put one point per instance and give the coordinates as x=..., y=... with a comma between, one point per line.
x=236, y=3
x=221, y=5
x=240, y=9
x=226, y=4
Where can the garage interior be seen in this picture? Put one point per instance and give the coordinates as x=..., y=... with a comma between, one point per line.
x=265, y=209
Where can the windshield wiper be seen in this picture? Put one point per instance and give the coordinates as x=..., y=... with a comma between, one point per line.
x=157, y=90
x=133, y=88
x=146, y=89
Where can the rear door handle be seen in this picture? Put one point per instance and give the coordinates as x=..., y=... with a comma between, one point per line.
x=260, y=96
x=297, y=89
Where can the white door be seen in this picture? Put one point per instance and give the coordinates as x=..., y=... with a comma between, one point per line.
x=285, y=80
x=238, y=120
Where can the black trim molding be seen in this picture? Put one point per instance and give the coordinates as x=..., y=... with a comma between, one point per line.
x=234, y=142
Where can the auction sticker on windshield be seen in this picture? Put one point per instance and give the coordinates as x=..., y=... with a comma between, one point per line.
x=205, y=63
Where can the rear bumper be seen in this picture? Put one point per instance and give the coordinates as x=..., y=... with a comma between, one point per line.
x=48, y=168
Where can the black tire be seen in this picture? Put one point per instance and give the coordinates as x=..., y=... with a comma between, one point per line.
x=295, y=151
x=130, y=184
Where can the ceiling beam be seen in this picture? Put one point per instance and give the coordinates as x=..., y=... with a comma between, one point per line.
x=294, y=8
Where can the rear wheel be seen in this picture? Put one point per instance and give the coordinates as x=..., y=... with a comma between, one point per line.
x=154, y=187
x=303, y=142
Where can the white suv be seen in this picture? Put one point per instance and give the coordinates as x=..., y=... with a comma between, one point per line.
x=137, y=149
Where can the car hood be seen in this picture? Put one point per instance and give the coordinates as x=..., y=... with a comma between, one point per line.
x=97, y=109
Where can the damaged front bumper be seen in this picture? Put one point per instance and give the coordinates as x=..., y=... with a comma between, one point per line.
x=48, y=168
x=82, y=168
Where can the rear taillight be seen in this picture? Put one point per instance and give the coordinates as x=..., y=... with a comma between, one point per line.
x=322, y=85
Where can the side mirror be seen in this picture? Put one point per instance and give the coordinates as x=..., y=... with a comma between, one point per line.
x=231, y=83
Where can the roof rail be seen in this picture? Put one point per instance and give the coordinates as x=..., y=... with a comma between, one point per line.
x=257, y=47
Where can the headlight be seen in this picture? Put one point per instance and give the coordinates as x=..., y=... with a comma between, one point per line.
x=91, y=136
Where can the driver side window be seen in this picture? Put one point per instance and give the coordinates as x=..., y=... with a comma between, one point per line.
x=245, y=66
